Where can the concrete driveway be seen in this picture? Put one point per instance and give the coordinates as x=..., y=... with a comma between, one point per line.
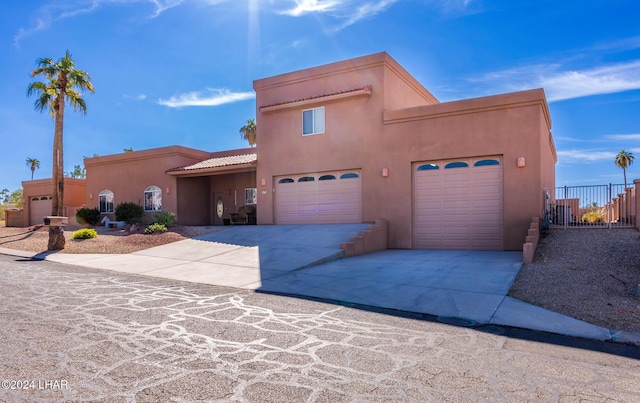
x=459, y=287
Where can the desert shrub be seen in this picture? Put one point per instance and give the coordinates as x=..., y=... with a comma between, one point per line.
x=87, y=215
x=594, y=217
x=85, y=233
x=165, y=218
x=154, y=228
x=129, y=212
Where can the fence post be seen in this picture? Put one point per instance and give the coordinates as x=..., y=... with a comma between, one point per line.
x=565, y=211
x=636, y=202
x=610, y=206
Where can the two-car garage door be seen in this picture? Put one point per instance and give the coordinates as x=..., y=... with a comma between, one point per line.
x=319, y=198
x=458, y=204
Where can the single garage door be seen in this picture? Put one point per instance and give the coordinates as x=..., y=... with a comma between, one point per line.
x=319, y=198
x=39, y=207
x=458, y=204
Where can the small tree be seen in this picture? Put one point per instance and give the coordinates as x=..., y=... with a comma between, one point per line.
x=248, y=132
x=623, y=160
x=16, y=197
x=4, y=196
x=78, y=172
x=33, y=164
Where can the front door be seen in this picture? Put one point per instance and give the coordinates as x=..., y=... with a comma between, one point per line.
x=218, y=209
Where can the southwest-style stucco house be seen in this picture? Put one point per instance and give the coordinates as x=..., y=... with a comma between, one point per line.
x=361, y=140
x=358, y=141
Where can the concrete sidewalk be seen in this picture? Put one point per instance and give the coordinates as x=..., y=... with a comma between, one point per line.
x=459, y=287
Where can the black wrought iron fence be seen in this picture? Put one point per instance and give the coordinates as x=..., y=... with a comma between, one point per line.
x=597, y=206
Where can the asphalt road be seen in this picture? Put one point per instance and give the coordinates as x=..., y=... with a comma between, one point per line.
x=74, y=334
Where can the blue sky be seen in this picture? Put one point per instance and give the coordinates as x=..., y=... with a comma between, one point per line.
x=180, y=71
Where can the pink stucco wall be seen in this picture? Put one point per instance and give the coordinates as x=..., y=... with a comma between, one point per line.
x=397, y=124
x=187, y=194
x=127, y=175
x=74, y=195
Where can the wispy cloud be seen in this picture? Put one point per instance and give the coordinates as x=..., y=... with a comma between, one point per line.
x=210, y=97
x=562, y=83
x=54, y=11
x=588, y=155
x=623, y=136
x=367, y=10
x=139, y=97
x=346, y=12
x=310, y=6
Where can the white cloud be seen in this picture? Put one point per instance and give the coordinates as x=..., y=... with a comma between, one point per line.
x=367, y=10
x=582, y=156
x=211, y=97
x=562, y=83
x=623, y=136
x=139, y=97
x=588, y=155
x=55, y=11
x=347, y=11
x=310, y=6
x=600, y=80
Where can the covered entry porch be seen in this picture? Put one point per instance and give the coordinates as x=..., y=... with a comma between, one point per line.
x=217, y=191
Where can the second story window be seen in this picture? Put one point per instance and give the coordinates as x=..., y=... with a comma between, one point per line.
x=313, y=121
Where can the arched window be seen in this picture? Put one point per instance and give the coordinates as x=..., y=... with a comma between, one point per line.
x=153, y=199
x=307, y=179
x=286, y=180
x=349, y=175
x=327, y=177
x=457, y=164
x=428, y=167
x=105, y=201
x=484, y=163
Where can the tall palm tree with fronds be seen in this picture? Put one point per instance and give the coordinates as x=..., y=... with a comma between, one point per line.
x=248, y=132
x=33, y=164
x=62, y=83
x=623, y=160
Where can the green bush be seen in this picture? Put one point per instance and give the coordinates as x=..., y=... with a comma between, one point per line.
x=129, y=212
x=165, y=218
x=153, y=228
x=87, y=215
x=85, y=233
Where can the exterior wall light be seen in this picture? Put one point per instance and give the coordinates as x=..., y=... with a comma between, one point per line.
x=385, y=172
x=91, y=196
x=263, y=182
x=521, y=162
x=168, y=189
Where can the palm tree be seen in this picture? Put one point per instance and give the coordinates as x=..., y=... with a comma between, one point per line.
x=62, y=83
x=248, y=132
x=623, y=160
x=4, y=196
x=33, y=163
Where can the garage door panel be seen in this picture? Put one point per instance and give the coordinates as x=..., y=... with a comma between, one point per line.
x=329, y=198
x=39, y=207
x=458, y=208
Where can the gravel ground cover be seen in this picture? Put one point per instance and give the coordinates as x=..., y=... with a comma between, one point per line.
x=34, y=239
x=589, y=274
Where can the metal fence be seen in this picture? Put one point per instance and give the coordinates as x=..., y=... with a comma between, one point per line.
x=599, y=206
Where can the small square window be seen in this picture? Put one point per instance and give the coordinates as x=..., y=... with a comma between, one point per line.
x=313, y=121
x=250, y=196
